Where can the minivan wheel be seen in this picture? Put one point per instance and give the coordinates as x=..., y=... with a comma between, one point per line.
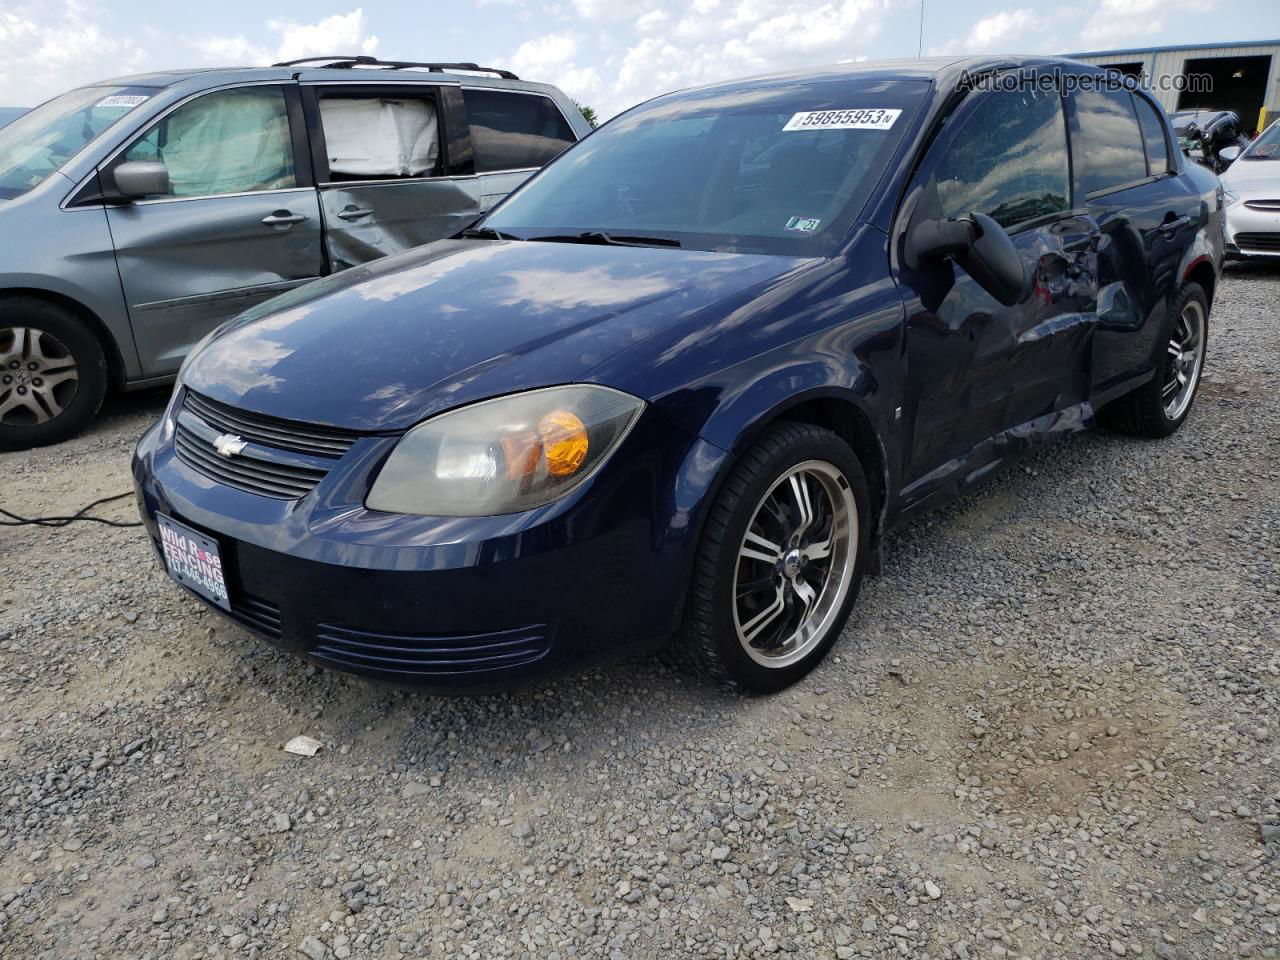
x=1160, y=406
x=53, y=374
x=780, y=561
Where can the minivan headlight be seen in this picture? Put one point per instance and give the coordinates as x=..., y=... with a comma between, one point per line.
x=505, y=455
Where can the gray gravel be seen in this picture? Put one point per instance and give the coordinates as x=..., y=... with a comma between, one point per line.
x=1051, y=731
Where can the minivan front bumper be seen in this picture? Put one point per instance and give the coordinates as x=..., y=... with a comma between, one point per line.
x=450, y=604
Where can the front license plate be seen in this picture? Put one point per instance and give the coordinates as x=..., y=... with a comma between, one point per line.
x=193, y=560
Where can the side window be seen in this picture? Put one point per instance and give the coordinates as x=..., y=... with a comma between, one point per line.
x=1109, y=150
x=235, y=141
x=1153, y=136
x=1008, y=159
x=380, y=137
x=515, y=131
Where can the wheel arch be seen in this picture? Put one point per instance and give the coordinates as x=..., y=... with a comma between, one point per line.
x=116, y=374
x=1202, y=272
x=839, y=411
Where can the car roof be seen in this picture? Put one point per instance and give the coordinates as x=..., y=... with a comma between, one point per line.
x=942, y=71
x=217, y=76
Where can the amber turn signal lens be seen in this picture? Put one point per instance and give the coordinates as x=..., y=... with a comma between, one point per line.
x=564, y=442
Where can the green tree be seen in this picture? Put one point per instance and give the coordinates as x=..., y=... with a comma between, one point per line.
x=589, y=113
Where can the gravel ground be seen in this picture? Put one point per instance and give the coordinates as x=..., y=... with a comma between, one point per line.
x=1051, y=731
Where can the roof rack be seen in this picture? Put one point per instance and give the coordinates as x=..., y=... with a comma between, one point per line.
x=341, y=62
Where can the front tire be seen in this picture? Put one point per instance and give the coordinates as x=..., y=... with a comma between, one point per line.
x=53, y=374
x=780, y=561
x=1160, y=406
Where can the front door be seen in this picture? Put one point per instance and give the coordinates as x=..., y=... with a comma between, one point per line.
x=984, y=380
x=380, y=158
x=239, y=224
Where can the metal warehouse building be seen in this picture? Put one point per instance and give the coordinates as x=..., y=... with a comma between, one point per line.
x=1244, y=77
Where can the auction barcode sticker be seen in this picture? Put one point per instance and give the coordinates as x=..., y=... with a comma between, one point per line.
x=865, y=119
x=119, y=100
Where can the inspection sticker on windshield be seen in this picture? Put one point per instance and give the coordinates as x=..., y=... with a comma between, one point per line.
x=803, y=224
x=120, y=100
x=864, y=119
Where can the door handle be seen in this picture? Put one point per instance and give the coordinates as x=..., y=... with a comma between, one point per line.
x=1172, y=226
x=354, y=213
x=283, y=218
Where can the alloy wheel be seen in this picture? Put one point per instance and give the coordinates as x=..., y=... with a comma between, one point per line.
x=795, y=564
x=38, y=376
x=1185, y=359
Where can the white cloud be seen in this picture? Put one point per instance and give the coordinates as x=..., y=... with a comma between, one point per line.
x=647, y=47
x=1009, y=31
x=345, y=33
x=1114, y=22
x=995, y=31
x=46, y=49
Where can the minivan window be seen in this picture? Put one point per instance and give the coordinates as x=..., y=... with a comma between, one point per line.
x=40, y=141
x=380, y=138
x=1108, y=151
x=1008, y=159
x=1153, y=137
x=233, y=141
x=515, y=131
x=784, y=169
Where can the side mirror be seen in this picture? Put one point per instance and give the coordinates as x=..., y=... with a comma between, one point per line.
x=140, y=178
x=980, y=246
x=1229, y=153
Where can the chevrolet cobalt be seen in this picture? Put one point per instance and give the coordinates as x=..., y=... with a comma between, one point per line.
x=674, y=391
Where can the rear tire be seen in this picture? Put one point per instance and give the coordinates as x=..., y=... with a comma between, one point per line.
x=780, y=561
x=1160, y=406
x=53, y=374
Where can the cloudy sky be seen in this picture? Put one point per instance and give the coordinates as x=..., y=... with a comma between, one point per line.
x=605, y=53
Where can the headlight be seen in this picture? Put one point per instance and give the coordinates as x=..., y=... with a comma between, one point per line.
x=1230, y=197
x=505, y=455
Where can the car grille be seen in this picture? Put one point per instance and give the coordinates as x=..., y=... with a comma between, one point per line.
x=409, y=655
x=281, y=459
x=1263, y=204
x=1258, y=241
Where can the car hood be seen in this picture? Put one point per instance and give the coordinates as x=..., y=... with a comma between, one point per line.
x=381, y=346
x=1253, y=175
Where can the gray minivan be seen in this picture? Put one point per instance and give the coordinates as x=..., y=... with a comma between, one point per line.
x=139, y=213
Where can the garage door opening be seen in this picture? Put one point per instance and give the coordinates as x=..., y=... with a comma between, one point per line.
x=1238, y=84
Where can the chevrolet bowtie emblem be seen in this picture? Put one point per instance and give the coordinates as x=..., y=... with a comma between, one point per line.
x=228, y=444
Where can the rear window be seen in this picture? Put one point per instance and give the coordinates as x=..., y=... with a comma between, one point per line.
x=1108, y=151
x=515, y=131
x=1153, y=137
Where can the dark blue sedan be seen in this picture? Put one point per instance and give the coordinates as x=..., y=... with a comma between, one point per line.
x=674, y=392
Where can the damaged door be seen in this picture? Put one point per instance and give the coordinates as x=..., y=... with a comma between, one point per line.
x=985, y=380
x=380, y=158
x=1148, y=216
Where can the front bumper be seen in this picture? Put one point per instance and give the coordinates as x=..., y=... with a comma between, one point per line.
x=451, y=604
x=1252, y=232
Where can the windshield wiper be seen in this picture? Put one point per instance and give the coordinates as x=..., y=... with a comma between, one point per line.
x=609, y=239
x=486, y=233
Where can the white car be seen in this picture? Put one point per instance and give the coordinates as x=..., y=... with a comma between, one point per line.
x=1252, y=185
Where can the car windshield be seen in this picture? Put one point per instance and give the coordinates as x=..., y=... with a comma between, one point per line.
x=1267, y=146
x=778, y=169
x=40, y=141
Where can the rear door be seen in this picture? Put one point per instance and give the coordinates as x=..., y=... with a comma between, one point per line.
x=1126, y=171
x=513, y=134
x=388, y=178
x=983, y=379
x=240, y=223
